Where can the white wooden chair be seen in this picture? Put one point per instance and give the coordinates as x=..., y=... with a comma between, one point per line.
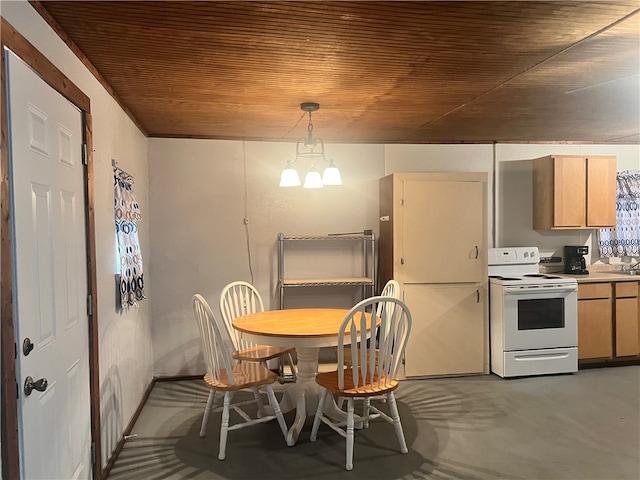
x=225, y=375
x=241, y=298
x=391, y=289
x=373, y=371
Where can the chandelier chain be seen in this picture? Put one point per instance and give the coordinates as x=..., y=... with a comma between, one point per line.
x=310, y=140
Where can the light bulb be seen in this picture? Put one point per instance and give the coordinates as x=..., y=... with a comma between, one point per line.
x=313, y=179
x=331, y=175
x=289, y=177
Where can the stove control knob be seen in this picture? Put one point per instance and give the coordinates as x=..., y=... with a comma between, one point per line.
x=526, y=254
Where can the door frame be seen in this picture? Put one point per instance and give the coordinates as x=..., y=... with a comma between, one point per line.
x=14, y=41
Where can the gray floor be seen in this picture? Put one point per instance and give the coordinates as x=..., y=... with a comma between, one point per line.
x=577, y=426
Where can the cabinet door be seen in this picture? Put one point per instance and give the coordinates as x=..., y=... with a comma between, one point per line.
x=601, y=192
x=595, y=329
x=442, y=232
x=569, y=192
x=449, y=330
x=626, y=326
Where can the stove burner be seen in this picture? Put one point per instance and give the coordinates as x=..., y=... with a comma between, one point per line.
x=541, y=275
x=502, y=278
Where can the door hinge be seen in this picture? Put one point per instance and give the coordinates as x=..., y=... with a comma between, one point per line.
x=93, y=453
x=401, y=261
x=84, y=153
x=89, y=306
x=401, y=201
x=15, y=350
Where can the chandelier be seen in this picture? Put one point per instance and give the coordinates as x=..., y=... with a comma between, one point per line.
x=313, y=148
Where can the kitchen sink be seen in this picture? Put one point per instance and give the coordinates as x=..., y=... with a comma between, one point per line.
x=627, y=272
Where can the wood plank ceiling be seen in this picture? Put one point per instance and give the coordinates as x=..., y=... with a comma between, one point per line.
x=382, y=71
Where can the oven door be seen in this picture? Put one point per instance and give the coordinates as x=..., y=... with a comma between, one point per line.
x=540, y=317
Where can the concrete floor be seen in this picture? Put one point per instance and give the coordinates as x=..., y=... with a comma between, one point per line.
x=576, y=426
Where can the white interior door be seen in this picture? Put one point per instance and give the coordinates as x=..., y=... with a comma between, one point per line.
x=50, y=268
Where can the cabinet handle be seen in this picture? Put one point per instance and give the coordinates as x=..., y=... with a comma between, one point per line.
x=477, y=252
x=477, y=296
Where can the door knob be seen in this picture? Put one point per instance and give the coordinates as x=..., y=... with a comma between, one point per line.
x=30, y=385
x=27, y=346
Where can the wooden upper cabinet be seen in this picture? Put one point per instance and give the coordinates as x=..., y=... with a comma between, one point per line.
x=601, y=191
x=574, y=192
x=569, y=187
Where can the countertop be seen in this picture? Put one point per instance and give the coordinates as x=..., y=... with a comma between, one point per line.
x=604, y=276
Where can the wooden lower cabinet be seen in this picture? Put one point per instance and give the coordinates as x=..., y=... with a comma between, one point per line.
x=595, y=326
x=608, y=321
x=626, y=324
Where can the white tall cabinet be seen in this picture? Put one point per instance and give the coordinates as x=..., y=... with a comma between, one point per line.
x=433, y=241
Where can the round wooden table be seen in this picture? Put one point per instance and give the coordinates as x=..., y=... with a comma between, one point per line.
x=306, y=329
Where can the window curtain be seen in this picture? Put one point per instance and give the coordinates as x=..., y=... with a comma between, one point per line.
x=624, y=239
x=127, y=213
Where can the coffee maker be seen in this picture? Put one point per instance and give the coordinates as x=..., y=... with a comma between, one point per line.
x=574, y=262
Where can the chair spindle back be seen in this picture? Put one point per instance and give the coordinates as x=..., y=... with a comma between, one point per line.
x=215, y=342
x=237, y=299
x=374, y=362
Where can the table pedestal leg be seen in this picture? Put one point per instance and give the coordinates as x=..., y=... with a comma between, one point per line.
x=305, y=394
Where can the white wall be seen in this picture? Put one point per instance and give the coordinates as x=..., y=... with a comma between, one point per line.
x=125, y=346
x=198, y=192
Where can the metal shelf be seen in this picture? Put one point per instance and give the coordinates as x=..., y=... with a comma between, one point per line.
x=366, y=281
x=326, y=237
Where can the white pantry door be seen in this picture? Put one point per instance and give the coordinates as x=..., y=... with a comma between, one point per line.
x=50, y=268
x=442, y=234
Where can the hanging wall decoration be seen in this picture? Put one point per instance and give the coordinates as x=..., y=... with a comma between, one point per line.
x=127, y=214
x=624, y=239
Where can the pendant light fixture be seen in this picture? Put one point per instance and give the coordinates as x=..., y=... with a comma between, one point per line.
x=313, y=148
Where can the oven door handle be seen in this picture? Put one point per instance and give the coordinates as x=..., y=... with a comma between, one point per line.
x=541, y=290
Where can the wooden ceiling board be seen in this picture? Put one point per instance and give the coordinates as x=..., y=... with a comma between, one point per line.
x=382, y=71
x=594, y=87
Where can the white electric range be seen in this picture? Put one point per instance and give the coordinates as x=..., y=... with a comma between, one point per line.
x=533, y=316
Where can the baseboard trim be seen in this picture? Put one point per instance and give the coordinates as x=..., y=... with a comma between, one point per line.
x=616, y=362
x=120, y=445
x=179, y=378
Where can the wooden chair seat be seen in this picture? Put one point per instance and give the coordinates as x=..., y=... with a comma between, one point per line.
x=329, y=380
x=261, y=353
x=246, y=375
